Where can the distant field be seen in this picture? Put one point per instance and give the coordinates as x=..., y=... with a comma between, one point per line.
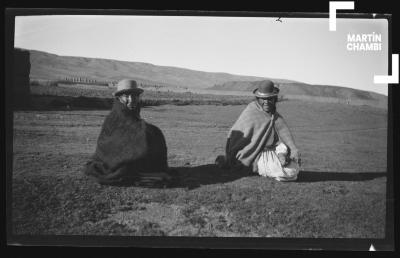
x=316, y=93
x=341, y=191
x=66, y=93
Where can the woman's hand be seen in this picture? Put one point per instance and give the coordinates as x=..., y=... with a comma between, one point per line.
x=295, y=155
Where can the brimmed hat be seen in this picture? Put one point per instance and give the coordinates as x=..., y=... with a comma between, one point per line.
x=265, y=89
x=125, y=86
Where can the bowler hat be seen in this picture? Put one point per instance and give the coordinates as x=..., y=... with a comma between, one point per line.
x=125, y=86
x=265, y=89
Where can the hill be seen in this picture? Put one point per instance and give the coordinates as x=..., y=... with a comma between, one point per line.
x=323, y=93
x=50, y=66
x=54, y=67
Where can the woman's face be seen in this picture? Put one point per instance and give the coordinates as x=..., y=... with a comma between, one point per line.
x=267, y=104
x=130, y=100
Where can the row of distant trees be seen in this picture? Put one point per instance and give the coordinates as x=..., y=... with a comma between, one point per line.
x=140, y=84
x=83, y=80
x=70, y=80
x=87, y=81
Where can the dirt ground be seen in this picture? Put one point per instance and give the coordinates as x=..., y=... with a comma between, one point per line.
x=340, y=193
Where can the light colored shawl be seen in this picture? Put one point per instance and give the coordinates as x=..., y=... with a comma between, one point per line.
x=248, y=135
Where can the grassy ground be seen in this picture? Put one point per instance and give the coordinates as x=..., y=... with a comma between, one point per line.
x=340, y=192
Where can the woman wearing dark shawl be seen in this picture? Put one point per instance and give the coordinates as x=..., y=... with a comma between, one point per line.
x=128, y=148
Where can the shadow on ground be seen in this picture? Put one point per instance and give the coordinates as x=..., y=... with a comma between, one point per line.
x=194, y=177
x=211, y=174
x=313, y=176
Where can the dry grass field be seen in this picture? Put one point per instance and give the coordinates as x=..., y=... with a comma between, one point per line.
x=98, y=97
x=340, y=193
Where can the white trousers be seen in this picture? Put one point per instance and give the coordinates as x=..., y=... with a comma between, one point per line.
x=270, y=166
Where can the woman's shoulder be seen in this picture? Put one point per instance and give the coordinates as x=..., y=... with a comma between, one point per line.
x=151, y=128
x=278, y=117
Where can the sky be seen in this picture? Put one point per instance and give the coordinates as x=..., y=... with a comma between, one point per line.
x=300, y=49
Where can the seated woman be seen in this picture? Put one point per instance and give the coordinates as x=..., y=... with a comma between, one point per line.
x=128, y=148
x=260, y=139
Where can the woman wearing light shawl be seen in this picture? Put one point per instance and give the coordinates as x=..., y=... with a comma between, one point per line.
x=261, y=140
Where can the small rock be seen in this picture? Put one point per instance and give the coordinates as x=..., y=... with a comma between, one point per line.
x=249, y=199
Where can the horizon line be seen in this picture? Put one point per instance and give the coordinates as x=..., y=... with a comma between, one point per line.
x=185, y=68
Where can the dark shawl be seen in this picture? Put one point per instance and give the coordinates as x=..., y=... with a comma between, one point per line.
x=127, y=146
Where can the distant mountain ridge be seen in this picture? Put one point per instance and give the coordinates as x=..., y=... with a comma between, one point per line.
x=295, y=90
x=301, y=89
x=50, y=66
